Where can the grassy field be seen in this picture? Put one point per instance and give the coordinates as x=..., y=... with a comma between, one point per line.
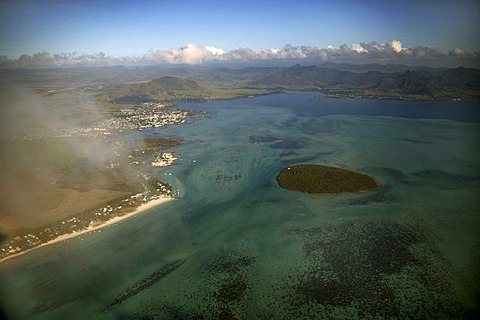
x=239, y=92
x=31, y=188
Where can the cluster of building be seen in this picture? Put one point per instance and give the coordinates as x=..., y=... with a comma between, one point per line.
x=139, y=119
x=127, y=120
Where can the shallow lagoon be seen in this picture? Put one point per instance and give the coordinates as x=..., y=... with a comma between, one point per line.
x=236, y=245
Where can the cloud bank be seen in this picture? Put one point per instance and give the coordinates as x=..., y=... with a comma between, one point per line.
x=192, y=54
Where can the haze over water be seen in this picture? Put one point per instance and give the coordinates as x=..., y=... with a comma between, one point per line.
x=236, y=244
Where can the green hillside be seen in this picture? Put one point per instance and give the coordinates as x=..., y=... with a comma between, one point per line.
x=162, y=89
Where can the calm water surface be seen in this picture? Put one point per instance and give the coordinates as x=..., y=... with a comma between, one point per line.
x=236, y=246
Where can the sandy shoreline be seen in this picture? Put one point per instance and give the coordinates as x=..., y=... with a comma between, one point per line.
x=107, y=223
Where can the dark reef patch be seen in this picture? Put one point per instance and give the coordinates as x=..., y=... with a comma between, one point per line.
x=262, y=139
x=219, y=292
x=228, y=276
x=155, y=310
x=319, y=179
x=372, y=268
x=231, y=290
x=230, y=263
x=143, y=284
x=277, y=142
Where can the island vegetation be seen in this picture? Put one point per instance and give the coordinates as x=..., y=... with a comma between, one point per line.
x=320, y=179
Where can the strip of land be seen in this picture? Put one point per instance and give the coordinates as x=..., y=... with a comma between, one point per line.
x=115, y=220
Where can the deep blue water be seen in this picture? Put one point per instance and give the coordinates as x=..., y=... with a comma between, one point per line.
x=236, y=245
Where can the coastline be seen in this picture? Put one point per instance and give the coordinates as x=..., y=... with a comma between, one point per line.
x=140, y=209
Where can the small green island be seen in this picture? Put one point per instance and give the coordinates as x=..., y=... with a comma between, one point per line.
x=319, y=179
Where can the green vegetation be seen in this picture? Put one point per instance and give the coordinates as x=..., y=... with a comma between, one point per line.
x=320, y=179
x=239, y=91
x=157, y=142
x=149, y=147
x=168, y=89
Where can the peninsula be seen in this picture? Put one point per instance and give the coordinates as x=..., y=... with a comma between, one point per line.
x=34, y=242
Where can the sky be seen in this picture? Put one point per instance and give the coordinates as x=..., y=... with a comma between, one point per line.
x=141, y=28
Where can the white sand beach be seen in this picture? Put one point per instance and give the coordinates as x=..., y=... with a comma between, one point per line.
x=107, y=223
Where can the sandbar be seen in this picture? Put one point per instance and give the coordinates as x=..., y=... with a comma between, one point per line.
x=114, y=220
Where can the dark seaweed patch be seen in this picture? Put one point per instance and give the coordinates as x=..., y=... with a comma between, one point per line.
x=47, y=306
x=314, y=128
x=288, y=144
x=262, y=139
x=152, y=311
x=445, y=179
x=416, y=141
x=381, y=196
x=231, y=290
x=290, y=122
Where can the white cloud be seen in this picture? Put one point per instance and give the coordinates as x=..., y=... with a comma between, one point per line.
x=214, y=50
x=358, y=48
x=393, y=51
x=458, y=52
x=395, y=45
x=189, y=54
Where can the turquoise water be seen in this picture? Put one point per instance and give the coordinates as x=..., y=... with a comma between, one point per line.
x=236, y=246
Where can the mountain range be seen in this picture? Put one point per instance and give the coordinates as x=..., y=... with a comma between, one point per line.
x=400, y=82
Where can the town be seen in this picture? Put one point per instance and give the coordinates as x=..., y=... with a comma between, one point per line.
x=129, y=119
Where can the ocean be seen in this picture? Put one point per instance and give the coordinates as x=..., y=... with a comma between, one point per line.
x=237, y=246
